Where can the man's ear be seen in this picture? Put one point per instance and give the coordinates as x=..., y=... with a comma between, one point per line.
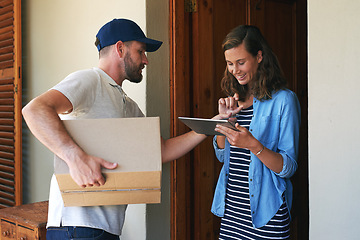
x=120, y=48
x=259, y=56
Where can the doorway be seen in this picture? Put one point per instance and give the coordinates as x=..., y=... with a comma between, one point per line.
x=197, y=64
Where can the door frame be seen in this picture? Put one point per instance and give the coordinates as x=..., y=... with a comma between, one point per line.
x=180, y=35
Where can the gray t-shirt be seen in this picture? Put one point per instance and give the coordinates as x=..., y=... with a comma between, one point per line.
x=93, y=94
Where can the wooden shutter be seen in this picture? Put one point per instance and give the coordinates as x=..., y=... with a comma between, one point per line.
x=10, y=104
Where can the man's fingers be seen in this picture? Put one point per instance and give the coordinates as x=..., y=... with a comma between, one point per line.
x=109, y=165
x=90, y=181
x=101, y=181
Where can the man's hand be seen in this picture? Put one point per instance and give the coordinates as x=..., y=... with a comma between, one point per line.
x=86, y=171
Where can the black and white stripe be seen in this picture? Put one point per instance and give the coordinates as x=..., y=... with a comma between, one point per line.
x=237, y=222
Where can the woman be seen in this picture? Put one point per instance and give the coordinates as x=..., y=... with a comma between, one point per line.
x=253, y=195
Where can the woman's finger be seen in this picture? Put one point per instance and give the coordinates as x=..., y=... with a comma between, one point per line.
x=236, y=96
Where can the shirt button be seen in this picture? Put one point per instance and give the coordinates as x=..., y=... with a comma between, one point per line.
x=252, y=195
x=250, y=179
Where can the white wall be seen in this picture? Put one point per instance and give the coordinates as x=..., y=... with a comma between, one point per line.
x=58, y=38
x=334, y=114
x=158, y=104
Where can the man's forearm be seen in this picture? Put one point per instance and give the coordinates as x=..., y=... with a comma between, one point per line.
x=47, y=127
x=177, y=147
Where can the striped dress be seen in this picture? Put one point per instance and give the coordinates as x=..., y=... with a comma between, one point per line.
x=237, y=223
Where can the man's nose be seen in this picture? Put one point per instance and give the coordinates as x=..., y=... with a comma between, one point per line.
x=145, y=60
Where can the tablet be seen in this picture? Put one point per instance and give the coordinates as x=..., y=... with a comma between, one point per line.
x=206, y=126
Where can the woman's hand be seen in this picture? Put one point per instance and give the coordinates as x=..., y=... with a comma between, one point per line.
x=244, y=139
x=228, y=107
x=241, y=138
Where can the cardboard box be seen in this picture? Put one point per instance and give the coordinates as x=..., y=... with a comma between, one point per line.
x=134, y=143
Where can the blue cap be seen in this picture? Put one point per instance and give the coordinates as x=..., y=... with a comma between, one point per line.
x=124, y=30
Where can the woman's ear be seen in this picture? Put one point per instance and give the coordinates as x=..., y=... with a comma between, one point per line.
x=259, y=56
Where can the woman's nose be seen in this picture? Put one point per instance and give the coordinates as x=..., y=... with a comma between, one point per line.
x=236, y=69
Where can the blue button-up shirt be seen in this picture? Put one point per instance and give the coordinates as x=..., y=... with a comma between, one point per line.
x=275, y=124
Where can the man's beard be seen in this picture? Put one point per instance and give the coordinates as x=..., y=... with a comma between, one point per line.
x=133, y=72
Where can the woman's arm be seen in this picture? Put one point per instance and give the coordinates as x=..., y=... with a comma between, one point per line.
x=284, y=160
x=244, y=139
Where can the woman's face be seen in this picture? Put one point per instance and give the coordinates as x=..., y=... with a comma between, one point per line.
x=241, y=64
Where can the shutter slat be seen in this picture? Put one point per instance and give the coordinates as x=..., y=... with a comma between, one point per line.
x=7, y=43
x=8, y=152
x=7, y=122
x=7, y=156
x=7, y=64
x=6, y=182
x=6, y=74
x=7, y=30
x=4, y=95
x=6, y=115
x=4, y=3
x=6, y=203
x=7, y=197
x=7, y=128
x=7, y=16
x=6, y=50
x=6, y=109
x=6, y=36
x=7, y=162
x=6, y=9
x=6, y=188
x=7, y=142
x=6, y=88
x=6, y=57
x=7, y=81
x=6, y=23
x=7, y=176
x=7, y=135
x=7, y=169
x=6, y=101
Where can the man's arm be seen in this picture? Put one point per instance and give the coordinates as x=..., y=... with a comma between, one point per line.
x=177, y=147
x=41, y=116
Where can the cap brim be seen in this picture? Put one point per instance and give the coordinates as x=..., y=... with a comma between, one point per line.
x=151, y=44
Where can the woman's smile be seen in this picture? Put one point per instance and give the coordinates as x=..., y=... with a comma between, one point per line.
x=241, y=64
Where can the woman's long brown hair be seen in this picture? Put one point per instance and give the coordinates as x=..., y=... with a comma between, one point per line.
x=268, y=78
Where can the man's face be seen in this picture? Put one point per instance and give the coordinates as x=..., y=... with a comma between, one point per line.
x=135, y=60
